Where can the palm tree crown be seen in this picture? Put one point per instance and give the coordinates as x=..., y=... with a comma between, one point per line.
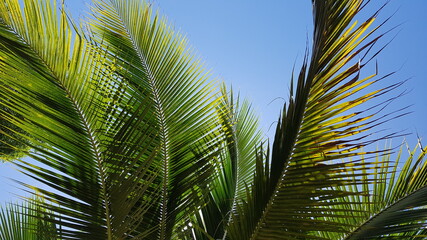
x=133, y=139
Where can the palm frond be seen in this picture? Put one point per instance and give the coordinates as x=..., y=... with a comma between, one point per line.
x=320, y=125
x=236, y=166
x=47, y=80
x=98, y=138
x=26, y=221
x=396, y=207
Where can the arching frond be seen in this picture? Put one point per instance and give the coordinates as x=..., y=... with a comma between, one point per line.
x=127, y=134
x=236, y=165
x=320, y=124
x=157, y=64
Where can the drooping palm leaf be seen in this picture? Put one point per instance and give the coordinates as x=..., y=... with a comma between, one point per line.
x=48, y=91
x=320, y=125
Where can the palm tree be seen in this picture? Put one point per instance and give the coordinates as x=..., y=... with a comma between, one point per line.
x=132, y=138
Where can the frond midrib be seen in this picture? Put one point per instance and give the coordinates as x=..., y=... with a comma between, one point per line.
x=234, y=145
x=86, y=126
x=163, y=128
x=270, y=203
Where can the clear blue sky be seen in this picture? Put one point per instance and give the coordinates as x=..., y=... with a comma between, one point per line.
x=254, y=44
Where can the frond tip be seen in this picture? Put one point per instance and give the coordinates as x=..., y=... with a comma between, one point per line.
x=319, y=128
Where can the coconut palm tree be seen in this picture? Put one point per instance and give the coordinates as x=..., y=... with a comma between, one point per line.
x=132, y=139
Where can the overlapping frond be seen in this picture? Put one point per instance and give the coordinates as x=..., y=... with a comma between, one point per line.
x=47, y=80
x=236, y=166
x=246, y=138
x=396, y=207
x=26, y=221
x=37, y=75
x=157, y=64
x=320, y=124
x=125, y=137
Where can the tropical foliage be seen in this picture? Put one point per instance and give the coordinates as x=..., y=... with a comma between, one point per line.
x=12, y=145
x=130, y=138
x=21, y=221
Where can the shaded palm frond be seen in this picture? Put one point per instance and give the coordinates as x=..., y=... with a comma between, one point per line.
x=157, y=65
x=26, y=221
x=47, y=81
x=12, y=145
x=236, y=166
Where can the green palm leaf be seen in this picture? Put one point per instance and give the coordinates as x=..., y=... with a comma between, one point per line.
x=396, y=208
x=157, y=63
x=106, y=121
x=236, y=168
x=291, y=195
x=49, y=88
x=26, y=221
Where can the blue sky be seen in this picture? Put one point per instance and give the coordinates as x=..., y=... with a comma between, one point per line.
x=253, y=45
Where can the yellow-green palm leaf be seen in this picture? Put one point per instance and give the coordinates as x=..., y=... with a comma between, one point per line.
x=297, y=185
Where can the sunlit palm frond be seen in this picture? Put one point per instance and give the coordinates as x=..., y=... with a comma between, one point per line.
x=320, y=124
x=245, y=137
x=157, y=64
x=396, y=207
x=47, y=81
x=92, y=143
